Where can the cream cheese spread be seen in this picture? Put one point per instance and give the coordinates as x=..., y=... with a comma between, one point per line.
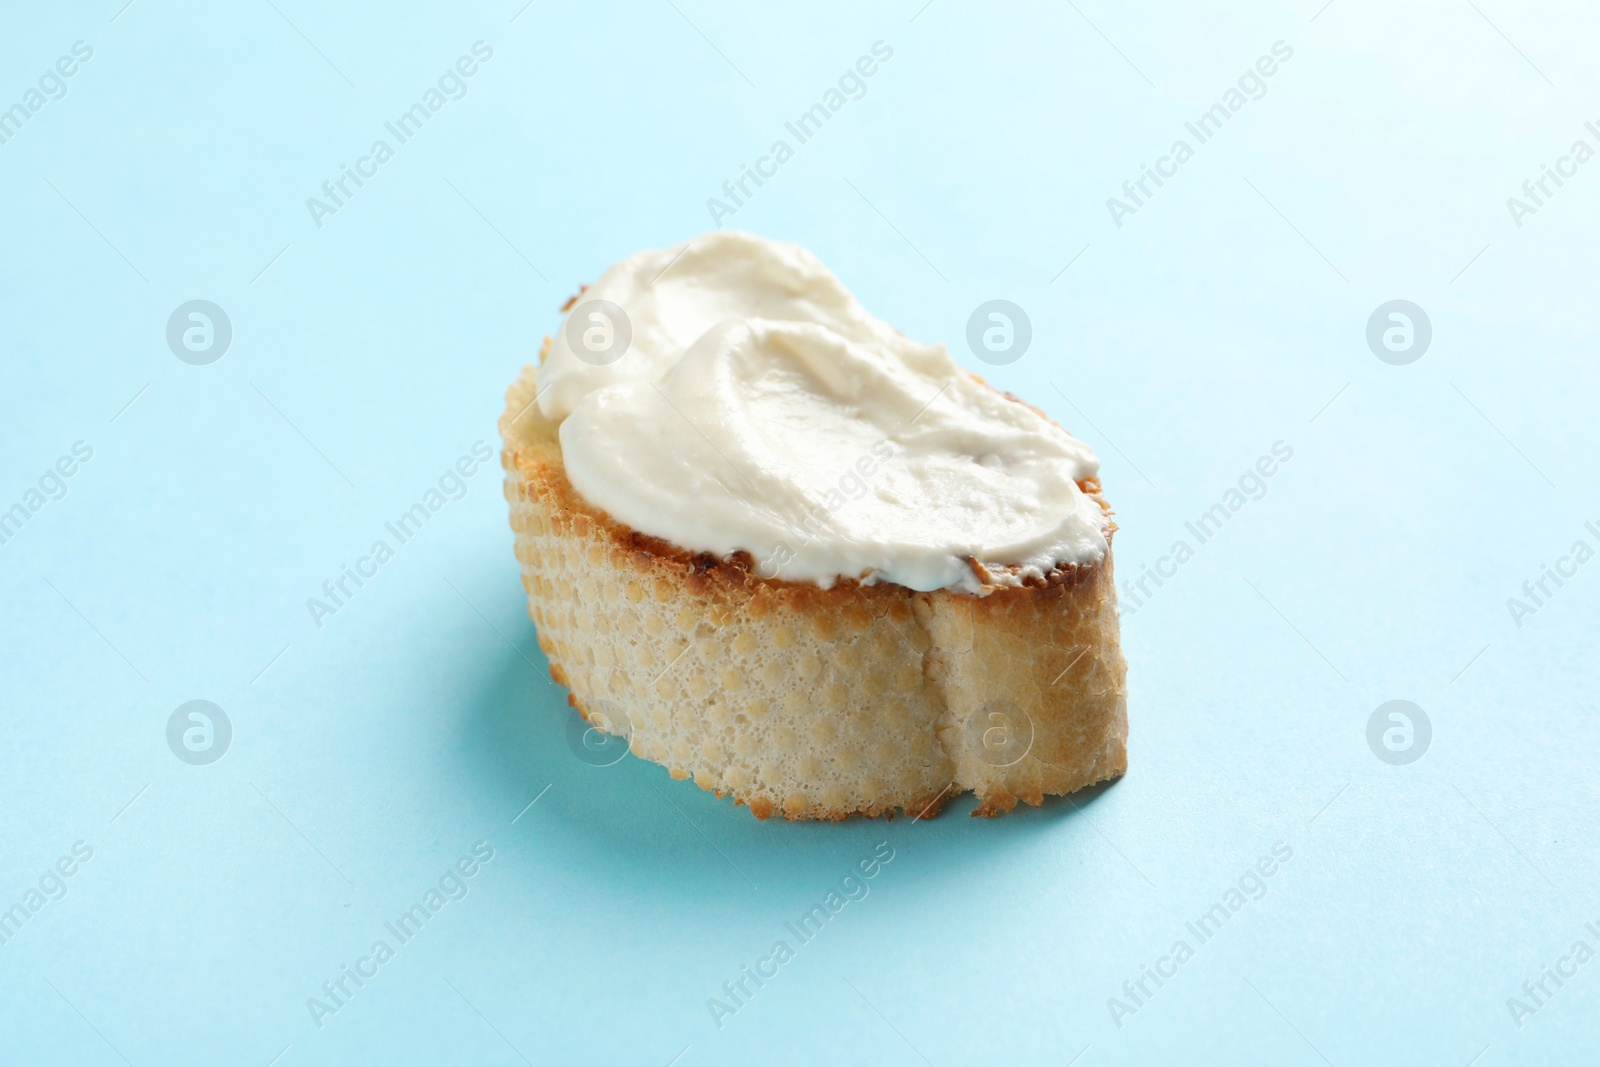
x=731, y=395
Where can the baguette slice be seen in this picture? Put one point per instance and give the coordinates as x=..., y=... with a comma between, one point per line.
x=814, y=703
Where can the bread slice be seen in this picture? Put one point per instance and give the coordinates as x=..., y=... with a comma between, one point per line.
x=814, y=703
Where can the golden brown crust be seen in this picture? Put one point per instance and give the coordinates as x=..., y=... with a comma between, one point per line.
x=816, y=703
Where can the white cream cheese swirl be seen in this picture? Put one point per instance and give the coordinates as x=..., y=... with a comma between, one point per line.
x=760, y=408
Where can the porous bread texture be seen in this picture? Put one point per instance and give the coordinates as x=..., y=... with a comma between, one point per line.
x=816, y=703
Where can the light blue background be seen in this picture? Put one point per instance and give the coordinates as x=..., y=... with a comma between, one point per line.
x=1227, y=314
